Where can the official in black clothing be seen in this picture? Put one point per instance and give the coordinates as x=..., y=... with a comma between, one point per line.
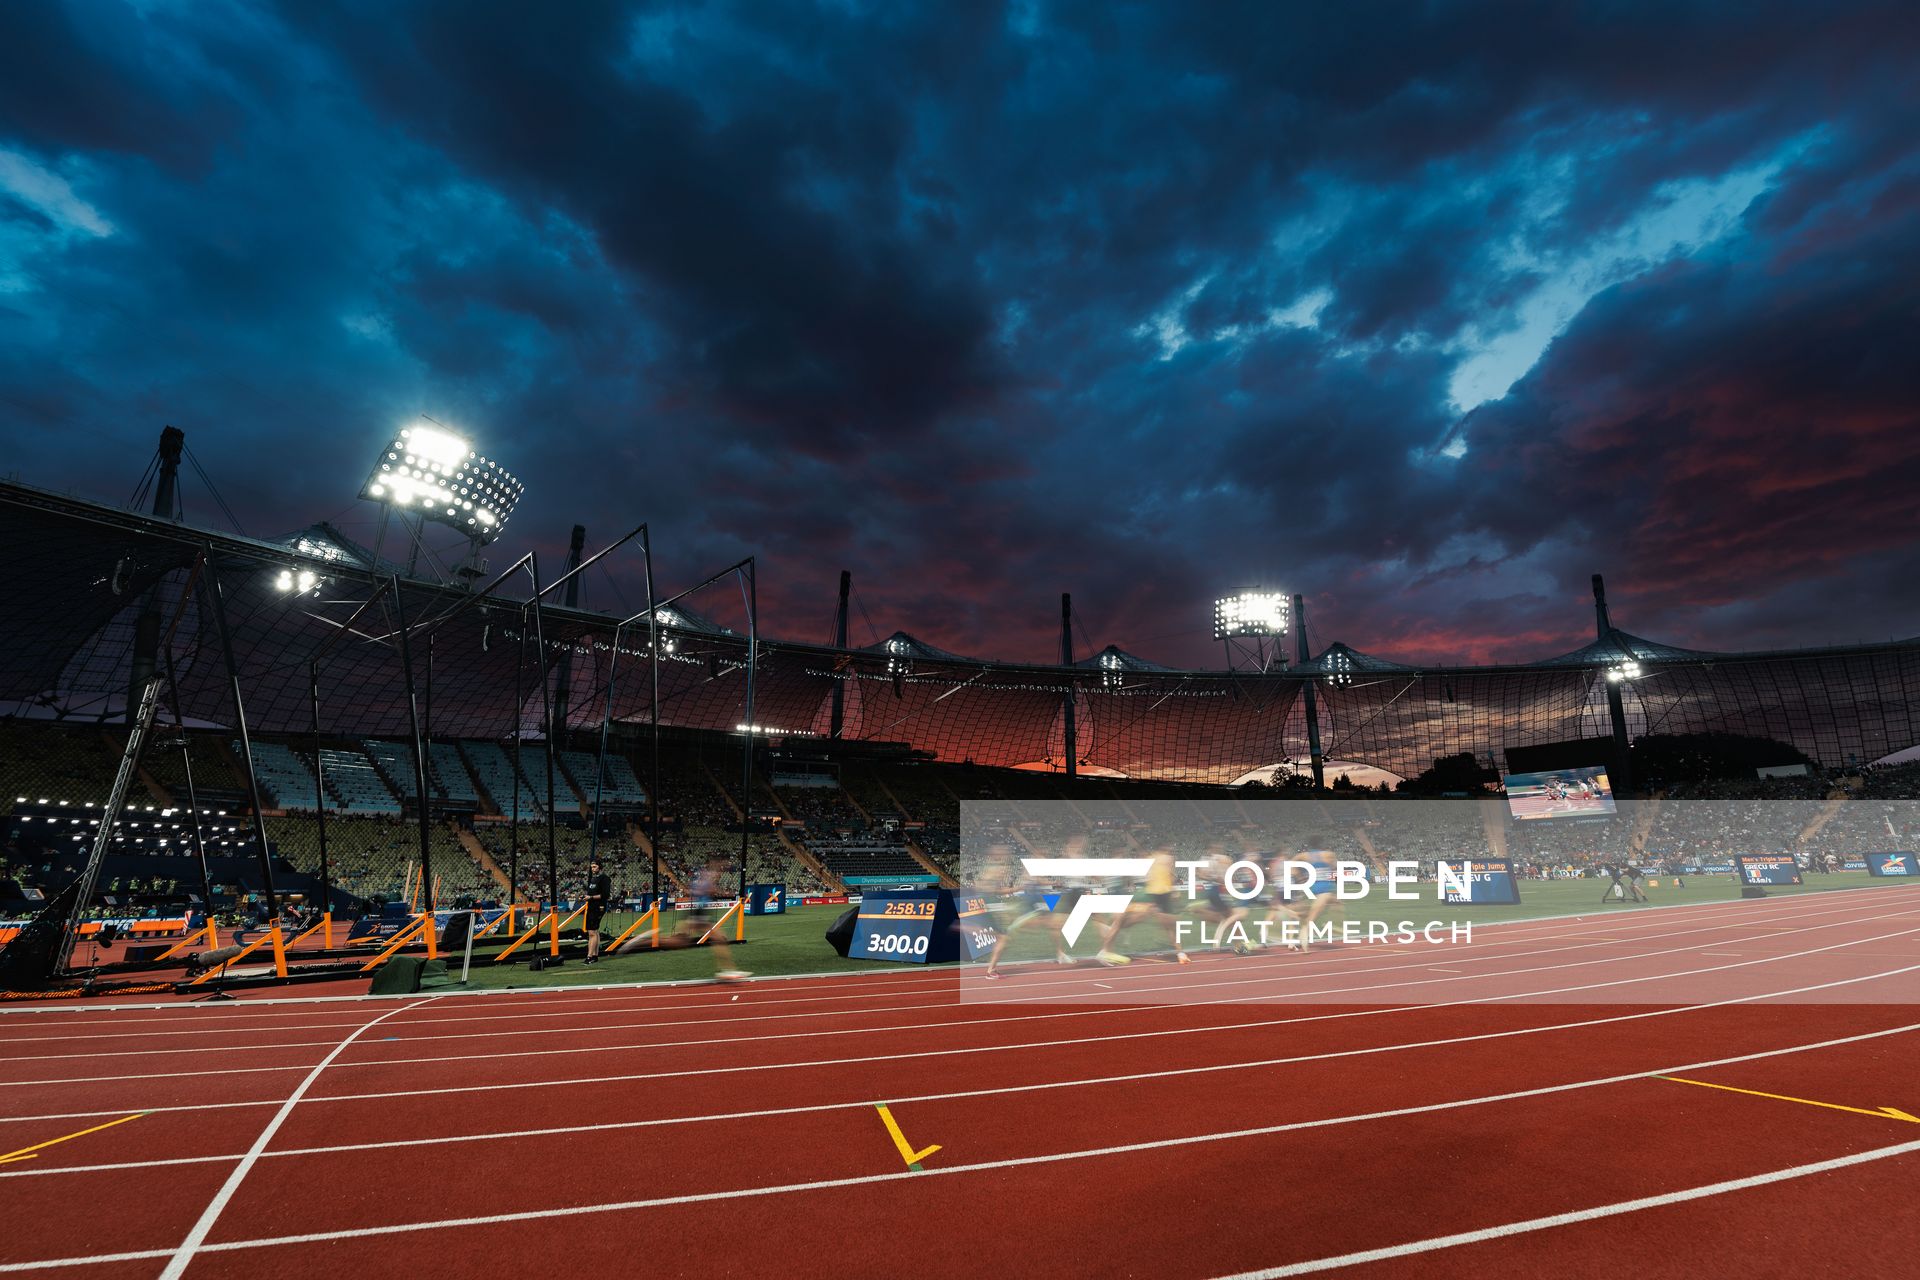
x=599, y=889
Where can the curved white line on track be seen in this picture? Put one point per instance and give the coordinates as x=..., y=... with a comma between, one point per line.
x=177, y=1264
x=1129, y=1078
x=1058, y=1157
x=640, y=993
x=1132, y=982
x=1041, y=1044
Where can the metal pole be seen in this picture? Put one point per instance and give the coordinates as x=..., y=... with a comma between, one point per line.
x=600, y=764
x=746, y=759
x=246, y=741
x=837, y=723
x=419, y=747
x=1314, y=755
x=546, y=706
x=513, y=821
x=1066, y=661
x=653, y=712
x=319, y=788
x=116, y=803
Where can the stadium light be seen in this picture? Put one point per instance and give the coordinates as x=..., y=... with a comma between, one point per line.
x=1251, y=613
x=432, y=471
x=297, y=582
x=1627, y=670
x=1342, y=673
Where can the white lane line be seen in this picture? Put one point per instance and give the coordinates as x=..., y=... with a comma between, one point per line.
x=177, y=1265
x=1129, y=1078
x=1619, y=1207
x=1138, y=983
x=1257, y=998
x=1012, y=1162
x=639, y=994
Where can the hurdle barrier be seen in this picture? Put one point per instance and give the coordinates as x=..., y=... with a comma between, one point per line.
x=552, y=919
x=210, y=931
x=421, y=928
x=324, y=927
x=739, y=913
x=652, y=914
x=272, y=936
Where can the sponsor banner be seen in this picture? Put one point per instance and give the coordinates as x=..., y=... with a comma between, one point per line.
x=1892, y=864
x=137, y=926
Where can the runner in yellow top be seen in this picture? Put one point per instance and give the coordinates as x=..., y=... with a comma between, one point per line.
x=1157, y=903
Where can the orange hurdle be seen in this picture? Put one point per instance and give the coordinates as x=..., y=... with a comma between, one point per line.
x=653, y=935
x=273, y=935
x=739, y=913
x=422, y=927
x=324, y=928
x=551, y=918
x=210, y=931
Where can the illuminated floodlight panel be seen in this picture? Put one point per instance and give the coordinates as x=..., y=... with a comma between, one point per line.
x=435, y=472
x=1251, y=613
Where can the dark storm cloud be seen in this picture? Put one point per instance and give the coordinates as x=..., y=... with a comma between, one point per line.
x=1141, y=302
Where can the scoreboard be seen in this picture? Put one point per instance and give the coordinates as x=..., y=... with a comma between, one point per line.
x=1768, y=868
x=974, y=921
x=895, y=926
x=1893, y=864
x=922, y=926
x=1490, y=882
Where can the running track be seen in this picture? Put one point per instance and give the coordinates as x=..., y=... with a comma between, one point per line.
x=1389, y=1110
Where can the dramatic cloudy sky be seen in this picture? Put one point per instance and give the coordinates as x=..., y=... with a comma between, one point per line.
x=1425, y=311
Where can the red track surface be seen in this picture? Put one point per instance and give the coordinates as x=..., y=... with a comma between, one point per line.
x=1198, y=1121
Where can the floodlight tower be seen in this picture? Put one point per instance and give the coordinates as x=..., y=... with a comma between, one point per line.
x=434, y=474
x=1252, y=626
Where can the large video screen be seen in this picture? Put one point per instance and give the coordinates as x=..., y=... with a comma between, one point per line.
x=1488, y=882
x=1768, y=868
x=1562, y=793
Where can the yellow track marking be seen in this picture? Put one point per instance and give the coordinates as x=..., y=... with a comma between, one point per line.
x=1883, y=1113
x=907, y=1153
x=29, y=1153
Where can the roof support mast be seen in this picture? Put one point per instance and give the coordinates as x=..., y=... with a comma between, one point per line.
x=1066, y=662
x=840, y=643
x=1315, y=756
x=146, y=628
x=1622, y=767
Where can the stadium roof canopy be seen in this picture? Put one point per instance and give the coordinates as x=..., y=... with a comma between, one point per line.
x=81, y=575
